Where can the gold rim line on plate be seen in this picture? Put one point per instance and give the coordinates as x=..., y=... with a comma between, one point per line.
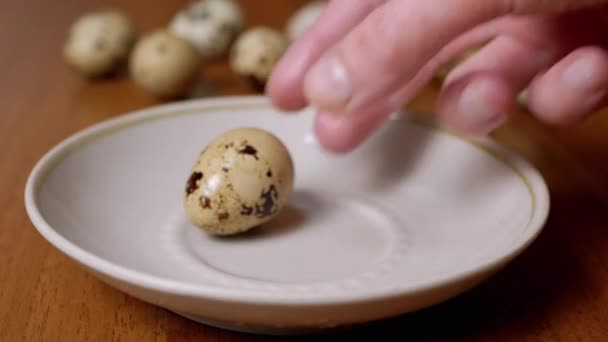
x=491, y=150
x=116, y=124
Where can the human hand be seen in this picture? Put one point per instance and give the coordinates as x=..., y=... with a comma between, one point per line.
x=364, y=59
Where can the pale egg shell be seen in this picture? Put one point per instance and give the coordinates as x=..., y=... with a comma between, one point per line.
x=256, y=52
x=99, y=42
x=164, y=64
x=209, y=25
x=223, y=11
x=241, y=180
x=303, y=19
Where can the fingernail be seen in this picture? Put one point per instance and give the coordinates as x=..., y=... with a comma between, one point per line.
x=327, y=84
x=475, y=108
x=580, y=76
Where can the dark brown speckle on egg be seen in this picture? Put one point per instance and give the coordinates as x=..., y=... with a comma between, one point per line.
x=268, y=201
x=246, y=210
x=250, y=150
x=223, y=216
x=192, y=184
x=205, y=202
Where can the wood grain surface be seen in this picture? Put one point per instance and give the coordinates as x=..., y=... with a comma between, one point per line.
x=556, y=291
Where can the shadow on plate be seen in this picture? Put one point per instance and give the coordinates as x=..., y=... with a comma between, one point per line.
x=392, y=154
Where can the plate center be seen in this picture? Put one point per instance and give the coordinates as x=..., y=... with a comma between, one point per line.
x=318, y=237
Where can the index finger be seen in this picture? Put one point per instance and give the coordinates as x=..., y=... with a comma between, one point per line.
x=338, y=18
x=386, y=50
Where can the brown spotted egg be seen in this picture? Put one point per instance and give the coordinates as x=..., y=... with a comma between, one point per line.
x=209, y=25
x=241, y=180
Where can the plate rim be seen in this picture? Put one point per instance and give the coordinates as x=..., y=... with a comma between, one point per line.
x=535, y=183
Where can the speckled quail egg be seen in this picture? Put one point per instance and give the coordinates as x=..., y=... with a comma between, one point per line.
x=241, y=180
x=164, y=64
x=209, y=25
x=256, y=52
x=99, y=42
x=303, y=19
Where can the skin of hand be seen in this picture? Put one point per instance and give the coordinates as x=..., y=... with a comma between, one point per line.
x=365, y=59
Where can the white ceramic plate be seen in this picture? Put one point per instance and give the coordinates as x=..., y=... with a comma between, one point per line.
x=413, y=217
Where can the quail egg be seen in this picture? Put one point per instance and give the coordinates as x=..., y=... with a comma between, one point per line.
x=164, y=64
x=99, y=42
x=241, y=180
x=209, y=25
x=303, y=19
x=256, y=52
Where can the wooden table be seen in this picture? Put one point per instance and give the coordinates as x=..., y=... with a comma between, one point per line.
x=556, y=291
